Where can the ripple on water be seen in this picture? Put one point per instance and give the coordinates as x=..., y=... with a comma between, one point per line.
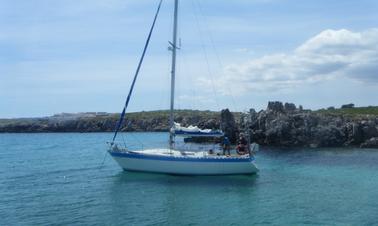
x=56, y=179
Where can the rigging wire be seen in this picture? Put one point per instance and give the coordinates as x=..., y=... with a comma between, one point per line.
x=221, y=65
x=138, y=140
x=205, y=52
x=191, y=104
x=123, y=139
x=103, y=161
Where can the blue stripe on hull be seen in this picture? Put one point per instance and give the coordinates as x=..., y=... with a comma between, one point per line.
x=188, y=174
x=180, y=159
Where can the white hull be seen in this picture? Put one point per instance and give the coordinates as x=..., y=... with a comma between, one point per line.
x=172, y=161
x=164, y=161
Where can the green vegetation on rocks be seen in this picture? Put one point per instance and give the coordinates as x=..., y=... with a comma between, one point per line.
x=152, y=121
x=279, y=125
x=355, y=111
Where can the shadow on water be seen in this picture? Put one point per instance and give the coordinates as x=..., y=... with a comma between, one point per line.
x=124, y=178
x=168, y=197
x=322, y=156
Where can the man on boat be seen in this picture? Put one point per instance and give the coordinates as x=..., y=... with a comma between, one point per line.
x=226, y=144
x=242, y=147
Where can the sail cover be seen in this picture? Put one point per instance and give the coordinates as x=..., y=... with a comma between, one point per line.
x=194, y=131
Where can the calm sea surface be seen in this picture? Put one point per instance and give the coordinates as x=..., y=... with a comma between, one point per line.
x=57, y=179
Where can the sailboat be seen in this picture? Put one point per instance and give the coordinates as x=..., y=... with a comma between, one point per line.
x=172, y=160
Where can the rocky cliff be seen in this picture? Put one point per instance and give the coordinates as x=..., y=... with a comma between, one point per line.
x=286, y=125
x=153, y=121
x=279, y=125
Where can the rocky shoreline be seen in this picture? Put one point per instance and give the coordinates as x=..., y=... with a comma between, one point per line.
x=280, y=124
x=151, y=121
x=285, y=125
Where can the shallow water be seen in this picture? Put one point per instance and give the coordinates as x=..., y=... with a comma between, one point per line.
x=58, y=179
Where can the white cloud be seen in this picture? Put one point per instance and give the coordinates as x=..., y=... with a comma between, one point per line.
x=332, y=54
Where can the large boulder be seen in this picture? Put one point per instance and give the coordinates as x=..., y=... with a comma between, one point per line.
x=228, y=125
x=371, y=143
x=327, y=136
x=369, y=129
x=355, y=135
x=290, y=107
x=278, y=133
x=275, y=106
x=254, y=123
x=347, y=106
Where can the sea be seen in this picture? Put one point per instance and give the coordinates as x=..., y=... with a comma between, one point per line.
x=69, y=179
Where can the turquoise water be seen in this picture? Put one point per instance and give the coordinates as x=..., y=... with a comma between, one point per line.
x=57, y=179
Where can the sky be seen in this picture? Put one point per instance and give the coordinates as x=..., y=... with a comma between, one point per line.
x=80, y=56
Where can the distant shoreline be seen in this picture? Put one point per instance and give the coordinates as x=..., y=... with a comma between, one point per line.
x=145, y=121
x=282, y=125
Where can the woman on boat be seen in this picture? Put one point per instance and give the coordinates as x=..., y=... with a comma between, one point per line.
x=242, y=148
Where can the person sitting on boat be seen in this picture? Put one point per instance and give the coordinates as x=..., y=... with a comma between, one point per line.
x=226, y=144
x=242, y=148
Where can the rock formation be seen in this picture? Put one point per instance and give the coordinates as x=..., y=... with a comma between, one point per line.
x=285, y=125
x=279, y=125
x=228, y=125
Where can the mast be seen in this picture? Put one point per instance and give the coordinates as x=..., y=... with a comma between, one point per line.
x=173, y=74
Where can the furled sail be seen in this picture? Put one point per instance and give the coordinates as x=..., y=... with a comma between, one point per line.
x=120, y=121
x=194, y=131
